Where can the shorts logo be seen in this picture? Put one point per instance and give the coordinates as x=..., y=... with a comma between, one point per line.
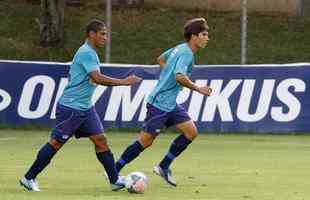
x=65, y=137
x=157, y=130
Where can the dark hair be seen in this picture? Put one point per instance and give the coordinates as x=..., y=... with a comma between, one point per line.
x=95, y=26
x=194, y=27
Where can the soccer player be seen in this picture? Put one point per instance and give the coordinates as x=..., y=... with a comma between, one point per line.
x=75, y=114
x=162, y=109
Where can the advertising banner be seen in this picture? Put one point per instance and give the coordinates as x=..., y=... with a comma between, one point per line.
x=252, y=98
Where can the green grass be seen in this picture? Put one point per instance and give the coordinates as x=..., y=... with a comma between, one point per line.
x=140, y=35
x=215, y=167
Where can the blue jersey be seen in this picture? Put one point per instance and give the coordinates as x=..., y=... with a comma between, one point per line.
x=79, y=90
x=179, y=59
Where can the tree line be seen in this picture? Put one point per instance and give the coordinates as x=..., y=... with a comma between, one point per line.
x=52, y=18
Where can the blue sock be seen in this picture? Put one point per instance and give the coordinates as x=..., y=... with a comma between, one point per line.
x=177, y=147
x=129, y=154
x=107, y=160
x=44, y=157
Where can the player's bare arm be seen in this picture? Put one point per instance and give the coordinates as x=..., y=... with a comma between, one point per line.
x=102, y=79
x=186, y=82
x=161, y=61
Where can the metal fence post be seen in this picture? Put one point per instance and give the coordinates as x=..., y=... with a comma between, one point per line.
x=108, y=23
x=244, y=22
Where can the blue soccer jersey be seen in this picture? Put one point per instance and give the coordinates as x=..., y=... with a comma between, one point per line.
x=78, y=93
x=179, y=59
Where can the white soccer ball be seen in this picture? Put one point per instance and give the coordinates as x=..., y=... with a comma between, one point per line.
x=136, y=182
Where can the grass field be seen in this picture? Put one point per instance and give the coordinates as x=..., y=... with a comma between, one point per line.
x=215, y=167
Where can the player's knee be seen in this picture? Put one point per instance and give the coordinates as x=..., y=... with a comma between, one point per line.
x=195, y=134
x=146, y=142
x=191, y=135
x=146, y=139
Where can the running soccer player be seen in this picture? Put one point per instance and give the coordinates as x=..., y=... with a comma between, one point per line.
x=75, y=114
x=162, y=109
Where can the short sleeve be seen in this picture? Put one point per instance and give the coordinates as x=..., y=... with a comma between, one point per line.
x=166, y=54
x=89, y=61
x=183, y=64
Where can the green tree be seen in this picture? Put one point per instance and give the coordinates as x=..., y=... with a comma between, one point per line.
x=52, y=23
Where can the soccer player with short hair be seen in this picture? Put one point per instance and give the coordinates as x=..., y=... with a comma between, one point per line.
x=162, y=109
x=75, y=113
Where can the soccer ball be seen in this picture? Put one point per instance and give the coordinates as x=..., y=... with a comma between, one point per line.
x=136, y=182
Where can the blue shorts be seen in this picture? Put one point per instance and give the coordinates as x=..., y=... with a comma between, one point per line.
x=71, y=122
x=156, y=119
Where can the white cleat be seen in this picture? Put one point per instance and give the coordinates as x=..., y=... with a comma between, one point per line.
x=31, y=185
x=166, y=174
x=119, y=184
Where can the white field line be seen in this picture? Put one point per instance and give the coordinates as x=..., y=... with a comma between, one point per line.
x=7, y=138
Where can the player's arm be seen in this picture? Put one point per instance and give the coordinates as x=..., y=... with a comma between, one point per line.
x=186, y=82
x=91, y=64
x=184, y=62
x=101, y=79
x=162, y=59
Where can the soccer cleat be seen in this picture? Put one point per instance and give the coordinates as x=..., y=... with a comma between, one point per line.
x=31, y=185
x=165, y=174
x=119, y=184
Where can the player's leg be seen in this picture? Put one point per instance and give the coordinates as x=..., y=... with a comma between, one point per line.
x=44, y=156
x=182, y=121
x=154, y=121
x=106, y=158
x=180, y=143
x=144, y=141
x=93, y=128
x=65, y=126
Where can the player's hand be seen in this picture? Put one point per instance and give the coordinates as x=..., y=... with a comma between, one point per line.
x=205, y=90
x=132, y=79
